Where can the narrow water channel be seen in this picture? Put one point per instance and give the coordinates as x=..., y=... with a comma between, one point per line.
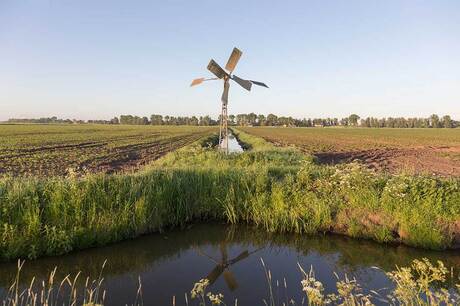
x=170, y=263
x=233, y=145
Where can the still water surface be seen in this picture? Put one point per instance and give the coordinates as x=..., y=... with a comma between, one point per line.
x=233, y=145
x=170, y=263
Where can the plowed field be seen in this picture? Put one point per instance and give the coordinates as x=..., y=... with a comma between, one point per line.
x=428, y=151
x=62, y=149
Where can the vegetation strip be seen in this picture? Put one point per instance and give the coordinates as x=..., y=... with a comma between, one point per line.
x=277, y=189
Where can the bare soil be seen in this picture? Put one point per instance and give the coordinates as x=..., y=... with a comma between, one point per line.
x=438, y=161
x=110, y=155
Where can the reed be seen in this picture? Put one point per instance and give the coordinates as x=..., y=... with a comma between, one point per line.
x=420, y=283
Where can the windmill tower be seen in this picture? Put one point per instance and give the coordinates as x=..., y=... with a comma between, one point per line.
x=221, y=74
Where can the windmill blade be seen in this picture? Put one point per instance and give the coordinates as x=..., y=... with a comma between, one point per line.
x=216, y=69
x=197, y=81
x=201, y=80
x=246, y=84
x=224, y=98
x=233, y=59
x=215, y=273
x=230, y=280
x=242, y=256
x=259, y=83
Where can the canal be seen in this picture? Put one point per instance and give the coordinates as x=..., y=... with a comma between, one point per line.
x=169, y=263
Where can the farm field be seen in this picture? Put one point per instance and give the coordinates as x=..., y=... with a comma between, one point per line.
x=278, y=193
x=430, y=151
x=48, y=150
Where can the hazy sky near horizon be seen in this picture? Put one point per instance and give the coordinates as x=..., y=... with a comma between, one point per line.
x=97, y=59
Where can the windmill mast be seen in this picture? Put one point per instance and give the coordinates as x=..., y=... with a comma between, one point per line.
x=226, y=77
x=223, y=128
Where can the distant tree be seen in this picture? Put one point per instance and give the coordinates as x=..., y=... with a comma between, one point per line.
x=194, y=121
x=272, y=120
x=344, y=121
x=156, y=119
x=434, y=121
x=242, y=119
x=261, y=120
x=231, y=119
x=126, y=119
x=447, y=121
x=205, y=121
x=251, y=118
x=353, y=119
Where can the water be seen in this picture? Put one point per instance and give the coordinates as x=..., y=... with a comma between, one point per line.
x=233, y=145
x=170, y=263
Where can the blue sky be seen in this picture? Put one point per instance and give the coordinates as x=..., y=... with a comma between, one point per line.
x=97, y=59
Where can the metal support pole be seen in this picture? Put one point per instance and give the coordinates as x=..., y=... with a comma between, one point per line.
x=225, y=126
x=220, y=125
x=223, y=130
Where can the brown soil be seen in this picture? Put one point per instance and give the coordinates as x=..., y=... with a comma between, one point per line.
x=89, y=157
x=423, y=160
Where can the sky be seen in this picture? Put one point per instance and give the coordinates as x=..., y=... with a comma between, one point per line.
x=97, y=59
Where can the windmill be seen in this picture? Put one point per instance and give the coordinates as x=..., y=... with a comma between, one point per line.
x=221, y=74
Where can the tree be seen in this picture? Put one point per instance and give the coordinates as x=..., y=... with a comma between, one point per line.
x=194, y=121
x=231, y=119
x=353, y=119
x=272, y=120
x=447, y=121
x=252, y=118
x=241, y=119
x=434, y=121
x=156, y=119
x=206, y=120
x=261, y=120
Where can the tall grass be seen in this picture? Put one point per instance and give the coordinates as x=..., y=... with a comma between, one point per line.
x=280, y=190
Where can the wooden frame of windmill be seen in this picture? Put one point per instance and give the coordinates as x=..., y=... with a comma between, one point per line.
x=221, y=74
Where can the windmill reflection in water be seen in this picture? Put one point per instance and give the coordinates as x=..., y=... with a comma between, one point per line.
x=223, y=265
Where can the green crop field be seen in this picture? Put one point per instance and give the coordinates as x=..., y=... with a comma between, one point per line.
x=62, y=149
x=433, y=151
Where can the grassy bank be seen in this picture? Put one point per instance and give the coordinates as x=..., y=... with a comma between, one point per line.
x=277, y=189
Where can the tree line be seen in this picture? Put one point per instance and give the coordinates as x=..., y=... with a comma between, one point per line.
x=252, y=119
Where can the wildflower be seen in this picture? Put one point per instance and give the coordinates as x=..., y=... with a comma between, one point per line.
x=312, y=288
x=216, y=299
x=199, y=288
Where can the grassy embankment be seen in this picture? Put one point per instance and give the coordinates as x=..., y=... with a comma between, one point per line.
x=277, y=189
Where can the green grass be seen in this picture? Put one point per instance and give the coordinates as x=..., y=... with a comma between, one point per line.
x=280, y=190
